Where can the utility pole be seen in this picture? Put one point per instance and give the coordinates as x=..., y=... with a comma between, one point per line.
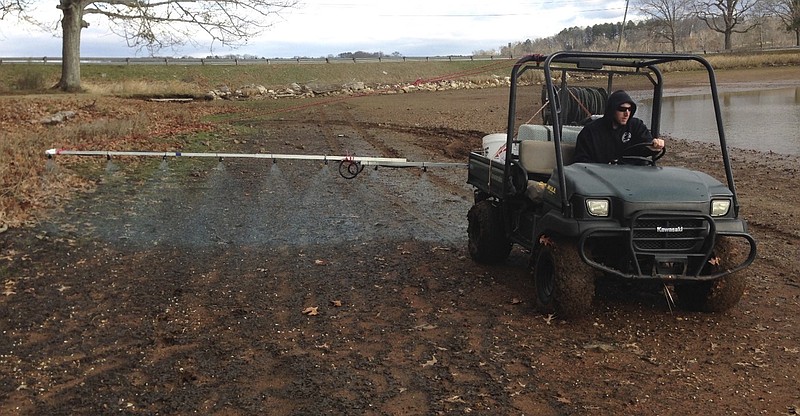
x=624, y=21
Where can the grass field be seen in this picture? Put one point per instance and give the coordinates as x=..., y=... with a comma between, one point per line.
x=126, y=80
x=141, y=79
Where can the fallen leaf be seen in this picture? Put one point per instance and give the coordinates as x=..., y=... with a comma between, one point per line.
x=311, y=311
x=319, y=262
x=9, y=255
x=336, y=303
x=603, y=347
x=8, y=288
x=515, y=301
x=430, y=362
x=563, y=400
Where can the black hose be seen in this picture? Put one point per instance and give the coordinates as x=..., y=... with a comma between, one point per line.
x=574, y=112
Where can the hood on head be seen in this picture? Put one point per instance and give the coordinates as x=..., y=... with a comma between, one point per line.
x=616, y=99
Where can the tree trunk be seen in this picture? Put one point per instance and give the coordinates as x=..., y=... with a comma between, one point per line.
x=71, y=24
x=673, y=38
x=728, y=34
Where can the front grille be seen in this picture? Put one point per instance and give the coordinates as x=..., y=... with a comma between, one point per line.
x=669, y=234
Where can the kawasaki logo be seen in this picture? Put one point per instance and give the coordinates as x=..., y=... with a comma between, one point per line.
x=669, y=229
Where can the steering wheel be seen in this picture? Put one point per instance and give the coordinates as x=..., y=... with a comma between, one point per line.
x=630, y=157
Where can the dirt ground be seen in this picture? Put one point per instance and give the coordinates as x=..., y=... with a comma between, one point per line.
x=246, y=287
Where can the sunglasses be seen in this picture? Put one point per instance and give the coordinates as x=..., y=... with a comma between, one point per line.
x=624, y=109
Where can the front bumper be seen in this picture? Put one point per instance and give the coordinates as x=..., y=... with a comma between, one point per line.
x=663, y=246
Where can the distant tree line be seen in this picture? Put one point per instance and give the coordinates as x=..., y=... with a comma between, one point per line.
x=679, y=25
x=342, y=55
x=362, y=54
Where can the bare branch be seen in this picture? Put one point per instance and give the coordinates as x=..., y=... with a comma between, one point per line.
x=788, y=11
x=8, y=7
x=726, y=16
x=157, y=24
x=667, y=15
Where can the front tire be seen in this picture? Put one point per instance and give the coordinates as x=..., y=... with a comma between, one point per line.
x=488, y=243
x=563, y=283
x=716, y=295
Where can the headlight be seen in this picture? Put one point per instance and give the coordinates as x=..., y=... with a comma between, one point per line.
x=597, y=207
x=720, y=207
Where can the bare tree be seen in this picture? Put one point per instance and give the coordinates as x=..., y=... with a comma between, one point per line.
x=667, y=16
x=788, y=11
x=726, y=16
x=10, y=6
x=155, y=24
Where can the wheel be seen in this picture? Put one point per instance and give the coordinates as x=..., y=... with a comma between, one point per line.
x=720, y=294
x=487, y=239
x=563, y=283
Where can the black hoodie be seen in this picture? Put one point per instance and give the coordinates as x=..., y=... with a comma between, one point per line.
x=600, y=142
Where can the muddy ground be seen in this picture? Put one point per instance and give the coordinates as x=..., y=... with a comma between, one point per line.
x=246, y=287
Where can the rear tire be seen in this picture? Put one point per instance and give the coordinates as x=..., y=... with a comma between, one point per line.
x=563, y=283
x=720, y=294
x=488, y=243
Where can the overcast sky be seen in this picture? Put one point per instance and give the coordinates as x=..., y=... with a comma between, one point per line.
x=318, y=28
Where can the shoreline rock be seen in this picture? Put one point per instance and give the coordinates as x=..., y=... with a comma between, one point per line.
x=314, y=89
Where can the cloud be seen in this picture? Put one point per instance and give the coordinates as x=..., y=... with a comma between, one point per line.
x=329, y=27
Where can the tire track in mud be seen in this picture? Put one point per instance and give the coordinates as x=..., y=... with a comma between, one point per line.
x=407, y=192
x=429, y=188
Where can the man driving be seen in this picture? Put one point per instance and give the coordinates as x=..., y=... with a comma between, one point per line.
x=605, y=140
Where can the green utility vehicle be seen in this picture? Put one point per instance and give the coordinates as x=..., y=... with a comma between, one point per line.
x=633, y=220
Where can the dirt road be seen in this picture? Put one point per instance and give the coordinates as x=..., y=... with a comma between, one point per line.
x=246, y=287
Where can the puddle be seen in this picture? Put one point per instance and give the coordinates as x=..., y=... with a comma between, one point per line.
x=763, y=120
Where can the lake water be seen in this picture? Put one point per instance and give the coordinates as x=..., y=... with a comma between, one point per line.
x=764, y=120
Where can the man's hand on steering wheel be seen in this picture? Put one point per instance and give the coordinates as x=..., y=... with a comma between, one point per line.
x=657, y=144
